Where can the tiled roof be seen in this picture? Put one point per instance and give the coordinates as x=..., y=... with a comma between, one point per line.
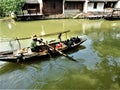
x=32, y=1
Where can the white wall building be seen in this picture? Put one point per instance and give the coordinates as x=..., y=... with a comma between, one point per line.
x=95, y=7
x=100, y=5
x=41, y=6
x=118, y=4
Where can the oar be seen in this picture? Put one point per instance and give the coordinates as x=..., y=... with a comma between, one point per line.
x=66, y=55
x=60, y=52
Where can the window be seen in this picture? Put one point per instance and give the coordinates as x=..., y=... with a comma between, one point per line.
x=54, y=6
x=95, y=5
x=109, y=5
x=71, y=5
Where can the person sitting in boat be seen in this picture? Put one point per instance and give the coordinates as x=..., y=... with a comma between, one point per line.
x=36, y=44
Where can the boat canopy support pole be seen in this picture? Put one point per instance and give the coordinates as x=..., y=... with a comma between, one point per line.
x=18, y=43
x=66, y=35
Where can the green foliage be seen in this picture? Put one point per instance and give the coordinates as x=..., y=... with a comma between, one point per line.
x=8, y=6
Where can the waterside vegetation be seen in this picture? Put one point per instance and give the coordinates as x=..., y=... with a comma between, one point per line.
x=9, y=7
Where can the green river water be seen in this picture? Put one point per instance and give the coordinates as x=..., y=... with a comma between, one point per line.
x=98, y=65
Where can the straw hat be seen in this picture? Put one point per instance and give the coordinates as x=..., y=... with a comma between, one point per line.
x=34, y=37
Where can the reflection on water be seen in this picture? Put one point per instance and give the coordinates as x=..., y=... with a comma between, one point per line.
x=90, y=26
x=98, y=58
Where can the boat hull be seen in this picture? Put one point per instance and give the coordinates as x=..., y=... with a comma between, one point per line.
x=37, y=55
x=112, y=17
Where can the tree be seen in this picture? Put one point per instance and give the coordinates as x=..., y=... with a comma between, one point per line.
x=9, y=6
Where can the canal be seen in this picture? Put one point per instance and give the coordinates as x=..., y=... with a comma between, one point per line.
x=98, y=65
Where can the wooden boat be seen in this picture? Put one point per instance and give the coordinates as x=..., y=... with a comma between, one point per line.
x=47, y=50
x=112, y=17
x=115, y=15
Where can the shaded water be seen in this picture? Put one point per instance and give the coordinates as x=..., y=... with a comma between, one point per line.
x=99, y=56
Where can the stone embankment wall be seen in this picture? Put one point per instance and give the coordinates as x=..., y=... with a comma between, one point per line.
x=76, y=16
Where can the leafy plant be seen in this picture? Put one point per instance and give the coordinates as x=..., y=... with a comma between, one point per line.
x=10, y=6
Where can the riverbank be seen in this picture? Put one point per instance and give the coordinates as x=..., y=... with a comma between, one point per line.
x=6, y=19
x=77, y=16
x=89, y=15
